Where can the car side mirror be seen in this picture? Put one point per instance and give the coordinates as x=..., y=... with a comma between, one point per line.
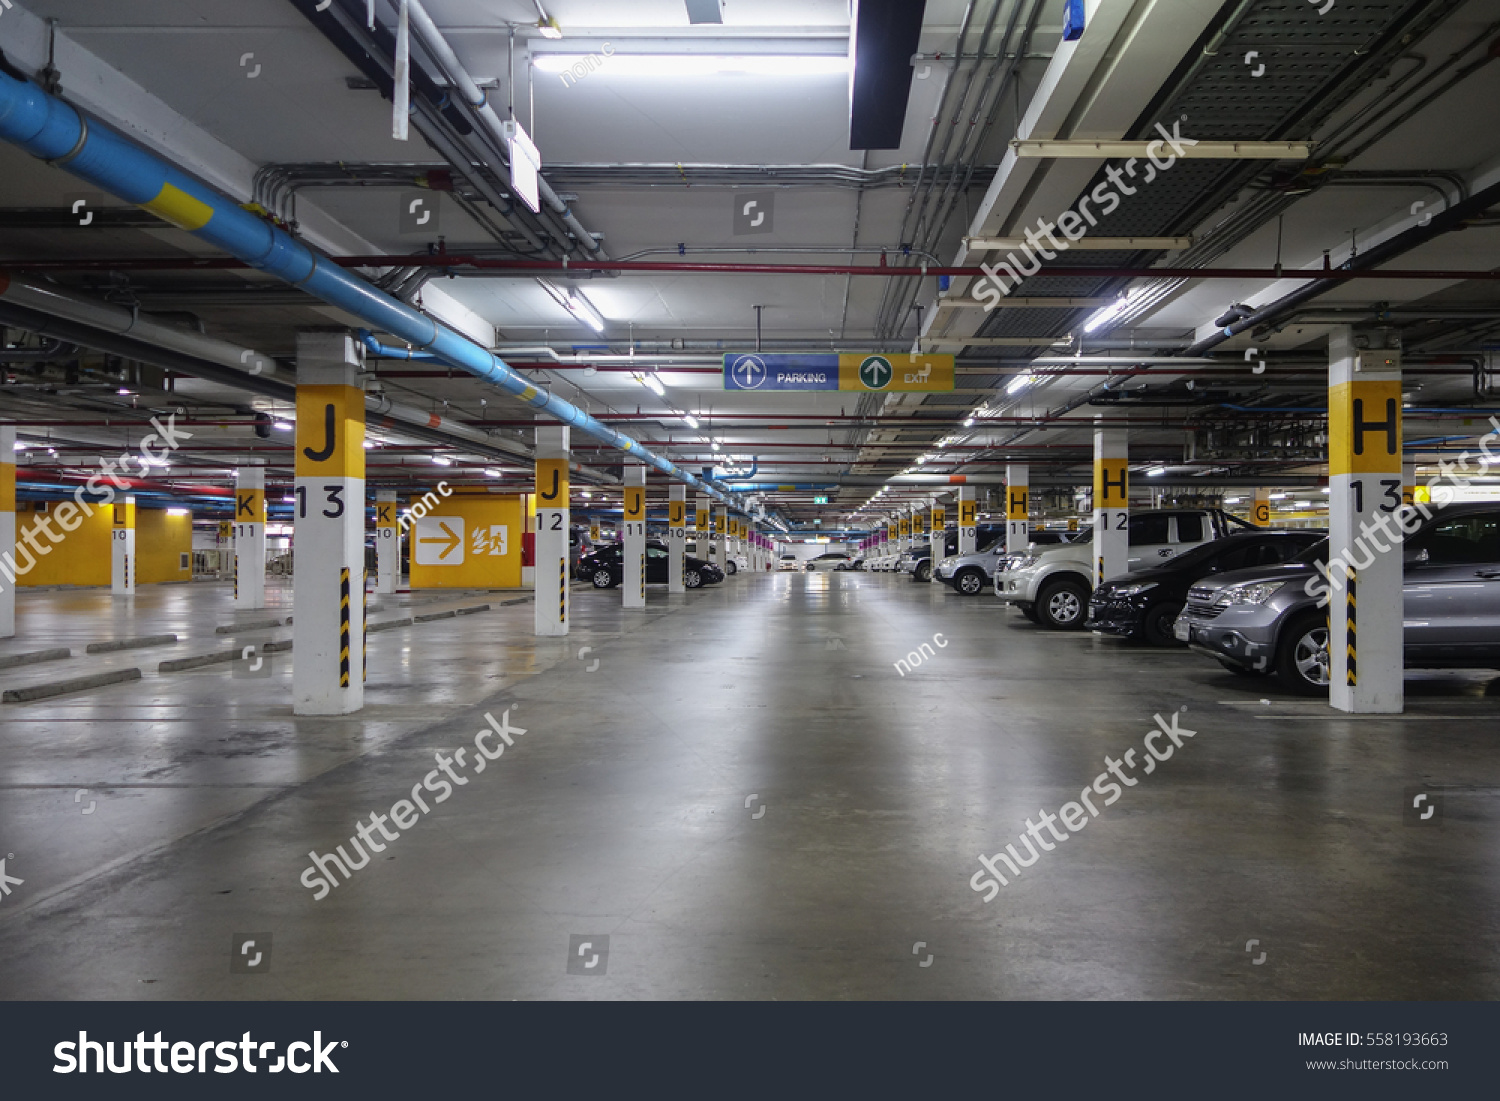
x=1415, y=556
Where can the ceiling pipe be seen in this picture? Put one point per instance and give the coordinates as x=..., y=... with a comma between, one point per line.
x=1358, y=267
x=434, y=43
x=52, y=130
x=457, y=264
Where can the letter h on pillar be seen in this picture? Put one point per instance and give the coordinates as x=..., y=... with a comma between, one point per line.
x=329, y=524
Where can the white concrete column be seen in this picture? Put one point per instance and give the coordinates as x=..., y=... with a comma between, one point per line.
x=8, y=529
x=904, y=528
x=1111, y=504
x=968, y=518
x=1260, y=508
x=633, y=550
x=250, y=537
x=1017, y=507
x=721, y=525
x=329, y=527
x=387, y=543
x=1364, y=541
x=552, y=511
x=676, y=536
x=939, y=525
x=122, y=558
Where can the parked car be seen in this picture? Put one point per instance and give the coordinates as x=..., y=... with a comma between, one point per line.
x=1145, y=604
x=605, y=567
x=1258, y=621
x=830, y=561
x=788, y=563
x=1052, y=585
x=853, y=565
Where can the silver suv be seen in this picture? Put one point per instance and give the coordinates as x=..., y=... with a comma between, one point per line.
x=1263, y=620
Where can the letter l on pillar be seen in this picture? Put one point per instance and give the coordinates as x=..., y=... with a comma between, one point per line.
x=552, y=513
x=329, y=525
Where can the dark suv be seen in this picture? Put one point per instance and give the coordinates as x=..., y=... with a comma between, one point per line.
x=1265, y=620
x=605, y=567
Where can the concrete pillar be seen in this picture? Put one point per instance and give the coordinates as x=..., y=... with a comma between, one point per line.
x=1408, y=483
x=1260, y=508
x=329, y=524
x=968, y=518
x=1017, y=507
x=122, y=559
x=8, y=529
x=905, y=529
x=387, y=543
x=1111, y=504
x=721, y=523
x=1365, y=480
x=250, y=537
x=676, y=536
x=633, y=548
x=552, y=498
x=939, y=538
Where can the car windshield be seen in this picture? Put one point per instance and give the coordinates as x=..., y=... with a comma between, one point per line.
x=1197, y=556
x=1314, y=555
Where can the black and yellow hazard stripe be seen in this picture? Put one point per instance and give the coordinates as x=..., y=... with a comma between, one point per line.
x=344, y=627
x=236, y=577
x=562, y=591
x=364, y=633
x=1099, y=573
x=643, y=578
x=1351, y=640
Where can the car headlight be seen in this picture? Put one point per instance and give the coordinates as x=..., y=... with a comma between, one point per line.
x=947, y=562
x=1134, y=589
x=1254, y=592
x=1026, y=561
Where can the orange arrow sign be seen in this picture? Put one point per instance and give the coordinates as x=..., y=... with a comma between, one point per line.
x=452, y=540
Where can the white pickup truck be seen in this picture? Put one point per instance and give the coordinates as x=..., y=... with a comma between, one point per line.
x=1051, y=585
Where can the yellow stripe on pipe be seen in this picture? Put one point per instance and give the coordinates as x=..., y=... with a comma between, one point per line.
x=172, y=204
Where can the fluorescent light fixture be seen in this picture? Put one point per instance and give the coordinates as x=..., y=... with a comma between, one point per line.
x=282, y=426
x=1233, y=500
x=1325, y=489
x=369, y=445
x=653, y=384
x=288, y=500
x=178, y=512
x=1302, y=504
x=123, y=390
x=969, y=423
x=699, y=65
x=19, y=446
x=581, y=308
x=1156, y=472
x=716, y=445
x=1280, y=496
x=442, y=461
x=1102, y=244
x=1200, y=150
x=491, y=472
x=1020, y=382
x=690, y=420
x=1109, y=313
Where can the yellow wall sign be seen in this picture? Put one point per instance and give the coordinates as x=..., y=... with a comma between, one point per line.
x=1111, y=483
x=968, y=513
x=895, y=373
x=937, y=518
x=719, y=523
x=1364, y=428
x=552, y=483
x=700, y=519
x=905, y=526
x=1016, y=501
x=469, y=542
x=330, y=432
x=385, y=514
x=675, y=511
x=635, y=503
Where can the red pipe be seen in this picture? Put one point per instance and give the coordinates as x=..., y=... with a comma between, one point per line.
x=563, y=267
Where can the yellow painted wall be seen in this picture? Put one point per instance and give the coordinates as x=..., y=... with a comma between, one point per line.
x=160, y=543
x=82, y=557
x=478, y=568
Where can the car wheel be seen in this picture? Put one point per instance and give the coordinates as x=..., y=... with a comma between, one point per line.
x=1158, y=625
x=1029, y=611
x=731, y=567
x=692, y=579
x=1302, y=658
x=603, y=579
x=970, y=582
x=1241, y=670
x=1062, y=605
x=923, y=572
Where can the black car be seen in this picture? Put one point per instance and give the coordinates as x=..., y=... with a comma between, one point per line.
x=605, y=567
x=1144, y=604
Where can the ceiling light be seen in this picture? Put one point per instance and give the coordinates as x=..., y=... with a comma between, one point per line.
x=587, y=494
x=1113, y=310
x=581, y=308
x=1156, y=472
x=1280, y=496
x=123, y=390
x=1020, y=382
x=368, y=444
x=700, y=65
x=288, y=500
x=491, y=472
x=1302, y=504
x=716, y=445
x=282, y=426
x=654, y=385
x=692, y=421
x=1233, y=500
x=178, y=512
x=442, y=461
x=969, y=423
x=19, y=446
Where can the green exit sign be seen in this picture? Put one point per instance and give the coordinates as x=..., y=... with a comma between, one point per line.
x=820, y=500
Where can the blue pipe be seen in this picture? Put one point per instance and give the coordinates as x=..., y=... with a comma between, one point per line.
x=50, y=129
x=387, y=351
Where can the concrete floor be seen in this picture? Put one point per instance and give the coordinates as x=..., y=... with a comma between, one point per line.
x=622, y=812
